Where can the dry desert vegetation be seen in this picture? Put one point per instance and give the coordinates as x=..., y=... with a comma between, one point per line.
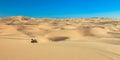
x=59, y=39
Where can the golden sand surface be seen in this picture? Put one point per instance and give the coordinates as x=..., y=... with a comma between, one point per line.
x=59, y=39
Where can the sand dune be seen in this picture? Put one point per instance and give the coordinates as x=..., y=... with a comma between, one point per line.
x=59, y=39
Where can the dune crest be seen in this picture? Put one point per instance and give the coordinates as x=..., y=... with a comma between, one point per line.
x=73, y=28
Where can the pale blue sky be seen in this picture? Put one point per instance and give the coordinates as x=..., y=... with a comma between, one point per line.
x=60, y=8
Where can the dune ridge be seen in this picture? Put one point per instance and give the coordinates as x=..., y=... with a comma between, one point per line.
x=81, y=27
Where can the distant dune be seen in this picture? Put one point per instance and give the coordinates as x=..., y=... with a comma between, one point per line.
x=59, y=39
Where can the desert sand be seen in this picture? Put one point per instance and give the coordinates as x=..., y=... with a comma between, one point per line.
x=59, y=39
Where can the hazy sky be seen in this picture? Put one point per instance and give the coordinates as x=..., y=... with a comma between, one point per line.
x=60, y=8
